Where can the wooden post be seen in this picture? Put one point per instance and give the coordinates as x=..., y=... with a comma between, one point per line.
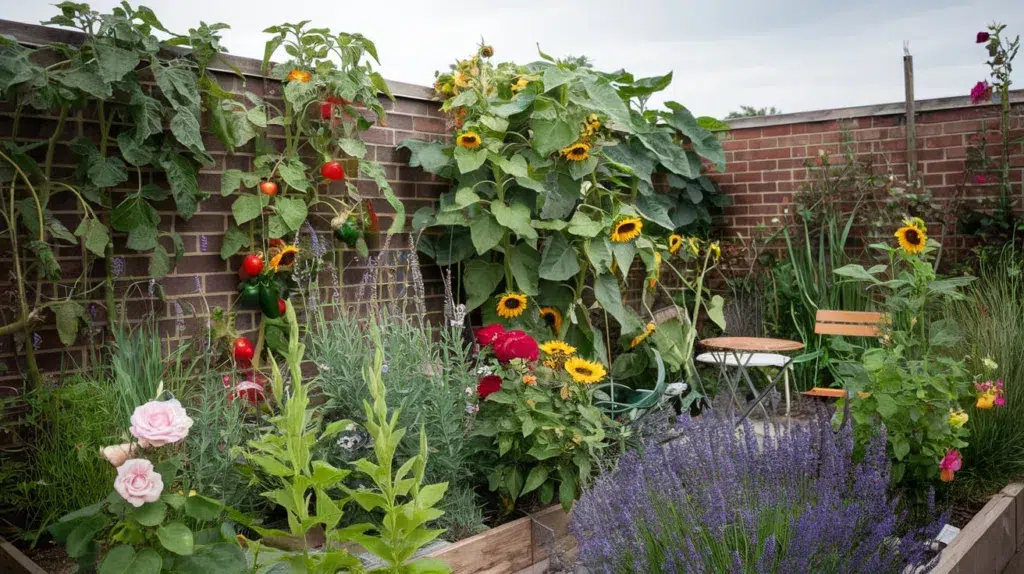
x=908, y=85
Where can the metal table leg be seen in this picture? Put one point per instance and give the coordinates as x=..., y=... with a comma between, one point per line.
x=758, y=398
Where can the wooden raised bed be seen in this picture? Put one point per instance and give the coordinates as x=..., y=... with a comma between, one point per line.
x=12, y=561
x=993, y=541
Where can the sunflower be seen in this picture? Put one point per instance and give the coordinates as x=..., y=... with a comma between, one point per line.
x=469, y=140
x=693, y=245
x=300, y=76
x=511, y=305
x=283, y=258
x=520, y=84
x=557, y=348
x=553, y=317
x=675, y=243
x=643, y=336
x=627, y=229
x=578, y=151
x=715, y=250
x=461, y=80
x=912, y=238
x=583, y=371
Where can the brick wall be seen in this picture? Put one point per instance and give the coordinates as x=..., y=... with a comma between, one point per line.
x=412, y=114
x=767, y=157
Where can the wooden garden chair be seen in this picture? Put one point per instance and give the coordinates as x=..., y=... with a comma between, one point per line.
x=846, y=324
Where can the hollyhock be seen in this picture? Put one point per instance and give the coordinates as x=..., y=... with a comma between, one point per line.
x=990, y=394
x=488, y=385
x=516, y=345
x=117, y=454
x=157, y=423
x=950, y=463
x=137, y=482
x=487, y=335
x=981, y=92
x=982, y=37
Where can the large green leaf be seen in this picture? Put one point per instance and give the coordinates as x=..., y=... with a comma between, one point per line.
x=177, y=81
x=608, y=294
x=132, y=150
x=247, y=207
x=485, y=232
x=428, y=155
x=133, y=212
x=525, y=263
x=667, y=151
x=221, y=558
x=600, y=253
x=607, y=100
x=645, y=86
x=655, y=208
x=185, y=128
x=554, y=77
x=177, y=538
x=517, y=104
x=184, y=180
x=230, y=181
x=561, y=196
x=234, y=239
x=293, y=172
x=515, y=217
x=69, y=314
x=704, y=143
x=88, y=79
x=293, y=212
x=106, y=171
x=124, y=560
x=552, y=135
x=95, y=235
x=469, y=159
x=634, y=156
x=480, y=278
x=150, y=513
x=558, y=261
x=583, y=225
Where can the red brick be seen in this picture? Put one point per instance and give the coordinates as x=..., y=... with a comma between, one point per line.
x=783, y=130
x=763, y=143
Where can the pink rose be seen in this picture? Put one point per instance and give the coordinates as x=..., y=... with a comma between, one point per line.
x=116, y=454
x=137, y=482
x=157, y=423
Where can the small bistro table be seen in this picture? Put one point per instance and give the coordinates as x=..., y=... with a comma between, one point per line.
x=741, y=351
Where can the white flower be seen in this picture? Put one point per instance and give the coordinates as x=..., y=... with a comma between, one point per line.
x=775, y=220
x=484, y=371
x=471, y=408
x=989, y=363
x=469, y=391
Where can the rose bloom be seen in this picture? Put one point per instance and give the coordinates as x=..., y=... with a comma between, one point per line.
x=157, y=423
x=489, y=334
x=137, y=482
x=489, y=384
x=516, y=345
x=116, y=454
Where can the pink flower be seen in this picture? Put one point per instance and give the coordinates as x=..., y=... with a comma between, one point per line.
x=980, y=179
x=981, y=92
x=487, y=335
x=137, y=482
x=157, y=423
x=982, y=37
x=118, y=453
x=950, y=463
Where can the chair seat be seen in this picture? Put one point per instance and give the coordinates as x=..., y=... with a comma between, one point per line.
x=748, y=359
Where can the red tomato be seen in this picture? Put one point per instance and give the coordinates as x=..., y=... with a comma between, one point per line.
x=326, y=110
x=332, y=170
x=282, y=306
x=252, y=265
x=243, y=351
x=268, y=188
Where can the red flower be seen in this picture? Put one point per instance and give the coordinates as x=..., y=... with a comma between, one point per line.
x=980, y=179
x=982, y=37
x=489, y=334
x=516, y=345
x=981, y=92
x=489, y=384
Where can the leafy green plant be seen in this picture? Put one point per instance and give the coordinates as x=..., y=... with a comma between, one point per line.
x=556, y=169
x=910, y=384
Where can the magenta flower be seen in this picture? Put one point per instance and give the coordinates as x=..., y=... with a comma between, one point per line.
x=980, y=179
x=982, y=37
x=981, y=92
x=950, y=463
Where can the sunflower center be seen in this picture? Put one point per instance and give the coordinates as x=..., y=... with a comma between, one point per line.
x=586, y=372
x=468, y=139
x=549, y=319
x=512, y=303
x=912, y=236
x=287, y=259
x=626, y=227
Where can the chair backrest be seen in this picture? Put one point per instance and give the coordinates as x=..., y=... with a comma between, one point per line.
x=849, y=323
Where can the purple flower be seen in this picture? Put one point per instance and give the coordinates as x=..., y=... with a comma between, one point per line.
x=384, y=369
x=198, y=284
x=982, y=37
x=204, y=243
x=318, y=248
x=37, y=340
x=117, y=266
x=179, y=323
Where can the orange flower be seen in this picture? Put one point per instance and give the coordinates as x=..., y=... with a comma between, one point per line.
x=529, y=380
x=297, y=75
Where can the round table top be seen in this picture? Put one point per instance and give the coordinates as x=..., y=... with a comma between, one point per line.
x=752, y=344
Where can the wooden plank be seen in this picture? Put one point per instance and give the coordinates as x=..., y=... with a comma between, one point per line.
x=826, y=393
x=830, y=316
x=550, y=531
x=12, y=561
x=502, y=550
x=987, y=544
x=847, y=329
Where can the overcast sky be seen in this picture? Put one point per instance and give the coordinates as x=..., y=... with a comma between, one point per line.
x=796, y=55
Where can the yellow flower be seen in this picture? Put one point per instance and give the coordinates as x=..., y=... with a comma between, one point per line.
x=511, y=305
x=957, y=418
x=529, y=380
x=557, y=348
x=461, y=80
x=912, y=239
x=627, y=229
x=675, y=243
x=655, y=272
x=284, y=258
x=986, y=401
x=643, y=336
x=520, y=84
x=715, y=250
x=531, y=403
x=693, y=245
x=469, y=140
x=300, y=76
x=553, y=317
x=578, y=151
x=583, y=371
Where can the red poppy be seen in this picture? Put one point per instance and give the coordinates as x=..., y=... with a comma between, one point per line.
x=516, y=345
x=488, y=385
x=489, y=334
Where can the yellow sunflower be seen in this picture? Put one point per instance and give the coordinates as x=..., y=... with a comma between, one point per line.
x=297, y=75
x=578, y=151
x=284, y=258
x=715, y=250
x=469, y=140
x=583, y=371
x=627, y=229
x=693, y=245
x=912, y=238
x=511, y=305
x=553, y=317
x=520, y=84
x=557, y=348
x=675, y=243
x=461, y=80
x=643, y=336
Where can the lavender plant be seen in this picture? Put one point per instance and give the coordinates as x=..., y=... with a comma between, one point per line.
x=718, y=500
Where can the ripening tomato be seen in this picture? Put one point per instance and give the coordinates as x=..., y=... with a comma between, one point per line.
x=268, y=187
x=282, y=306
x=252, y=265
x=332, y=170
x=243, y=351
